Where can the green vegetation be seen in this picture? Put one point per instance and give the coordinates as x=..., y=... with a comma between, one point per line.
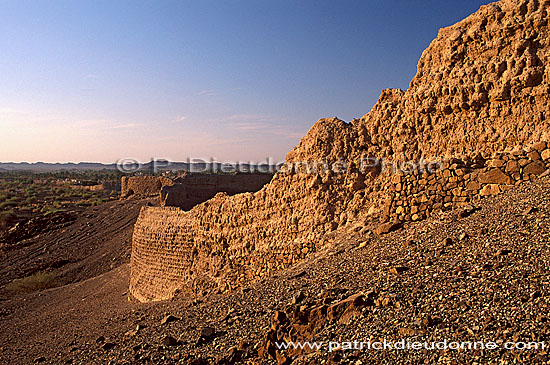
x=38, y=281
x=25, y=195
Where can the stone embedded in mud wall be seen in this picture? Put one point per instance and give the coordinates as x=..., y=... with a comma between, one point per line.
x=482, y=87
x=413, y=197
x=192, y=189
x=142, y=185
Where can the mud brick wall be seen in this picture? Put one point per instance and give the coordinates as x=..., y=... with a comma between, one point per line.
x=192, y=189
x=228, y=242
x=415, y=196
x=142, y=185
x=482, y=86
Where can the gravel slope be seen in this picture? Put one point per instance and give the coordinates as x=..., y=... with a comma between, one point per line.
x=479, y=275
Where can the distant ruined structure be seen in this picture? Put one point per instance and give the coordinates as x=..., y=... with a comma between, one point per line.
x=479, y=105
x=142, y=185
x=192, y=188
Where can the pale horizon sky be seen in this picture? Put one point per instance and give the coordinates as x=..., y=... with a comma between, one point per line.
x=100, y=81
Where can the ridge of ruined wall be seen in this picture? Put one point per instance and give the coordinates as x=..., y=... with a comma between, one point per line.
x=142, y=185
x=482, y=86
x=192, y=189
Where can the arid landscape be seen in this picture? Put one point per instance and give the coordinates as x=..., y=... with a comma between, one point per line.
x=418, y=233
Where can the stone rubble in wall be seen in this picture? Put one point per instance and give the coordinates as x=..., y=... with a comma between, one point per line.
x=416, y=196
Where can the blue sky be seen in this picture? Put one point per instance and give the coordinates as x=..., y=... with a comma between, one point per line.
x=84, y=80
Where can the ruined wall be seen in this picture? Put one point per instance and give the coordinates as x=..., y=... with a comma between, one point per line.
x=142, y=185
x=169, y=252
x=192, y=189
x=482, y=86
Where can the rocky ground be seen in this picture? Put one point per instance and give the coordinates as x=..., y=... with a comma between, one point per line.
x=476, y=274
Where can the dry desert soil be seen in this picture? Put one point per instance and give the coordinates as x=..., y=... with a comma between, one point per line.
x=474, y=274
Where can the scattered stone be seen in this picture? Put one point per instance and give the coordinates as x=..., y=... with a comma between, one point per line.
x=298, y=298
x=348, y=307
x=399, y=269
x=534, y=155
x=234, y=356
x=298, y=275
x=134, y=332
x=535, y=168
x=539, y=146
x=504, y=252
x=489, y=189
x=107, y=346
x=387, y=227
x=169, y=318
x=169, y=341
x=207, y=335
x=529, y=210
x=467, y=211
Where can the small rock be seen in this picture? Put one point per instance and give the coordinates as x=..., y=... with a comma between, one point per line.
x=39, y=359
x=504, y=252
x=467, y=211
x=299, y=274
x=207, y=335
x=298, y=298
x=100, y=339
x=169, y=341
x=398, y=270
x=169, y=318
x=107, y=346
x=134, y=332
x=234, y=356
x=387, y=227
x=208, y=332
x=535, y=168
x=529, y=210
x=448, y=241
x=345, y=309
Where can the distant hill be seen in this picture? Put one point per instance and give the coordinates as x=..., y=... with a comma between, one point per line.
x=160, y=165
x=50, y=167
